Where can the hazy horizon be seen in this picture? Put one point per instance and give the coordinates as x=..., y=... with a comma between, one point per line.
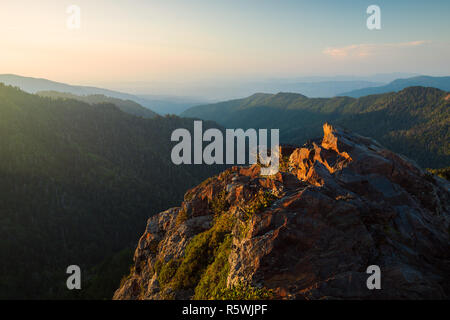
x=199, y=48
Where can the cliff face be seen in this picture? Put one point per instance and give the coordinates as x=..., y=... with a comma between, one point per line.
x=336, y=207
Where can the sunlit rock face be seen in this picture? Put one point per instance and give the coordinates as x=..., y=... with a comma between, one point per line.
x=337, y=206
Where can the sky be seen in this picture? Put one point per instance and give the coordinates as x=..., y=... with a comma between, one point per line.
x=155, y=44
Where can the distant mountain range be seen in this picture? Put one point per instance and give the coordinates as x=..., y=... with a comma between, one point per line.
x=226, y=88
x=378, y=77
x=158, y=104
x=325, y=87
x=442, y=83
x=317, y=89
x=163, y=104
x=414, y=121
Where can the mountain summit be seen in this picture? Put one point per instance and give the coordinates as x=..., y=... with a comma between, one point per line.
x=338, y=205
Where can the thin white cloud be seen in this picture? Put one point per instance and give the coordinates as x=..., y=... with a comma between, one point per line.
x=367, y=49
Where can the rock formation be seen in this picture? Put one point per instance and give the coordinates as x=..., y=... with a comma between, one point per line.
x=336, y=207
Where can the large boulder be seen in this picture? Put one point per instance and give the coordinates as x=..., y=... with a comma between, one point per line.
x=336, y=207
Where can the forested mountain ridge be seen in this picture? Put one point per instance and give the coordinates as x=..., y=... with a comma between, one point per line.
x=77, y=183
x=414, y=121
x=442, y=83
x=127, y=106
x=160, y=104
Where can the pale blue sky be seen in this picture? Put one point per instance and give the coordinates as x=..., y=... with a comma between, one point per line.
x=162, y=42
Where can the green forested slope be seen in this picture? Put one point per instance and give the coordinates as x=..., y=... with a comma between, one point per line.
x=77, y=183
x=127, y=106
x=414, y=121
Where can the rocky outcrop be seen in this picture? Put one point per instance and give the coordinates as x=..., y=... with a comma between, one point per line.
x=336, y=207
